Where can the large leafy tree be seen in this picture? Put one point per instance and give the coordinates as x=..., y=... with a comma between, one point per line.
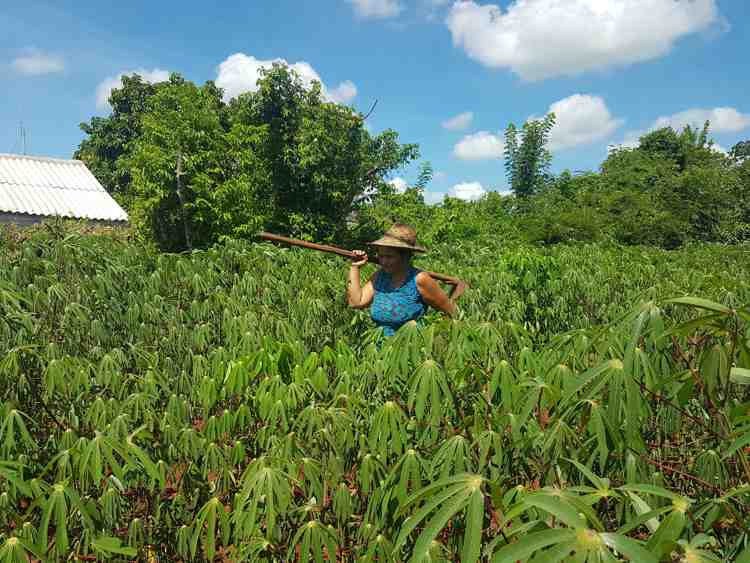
x=740, y=155
x=689, y=147
x=109, y=140
x=527, y=159
x=321, y=158
x=193, y=181
x=740, y=152
x=192, y=169
x=691, y=187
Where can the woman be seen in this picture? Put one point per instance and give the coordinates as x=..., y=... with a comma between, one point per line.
x=398, y=292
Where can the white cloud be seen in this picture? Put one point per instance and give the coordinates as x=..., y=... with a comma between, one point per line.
x=718, y=148
x=35, y=62
x=239, y=73
x=344, y=92
x=376, y=9
x=539, y=39
x=461, y=121
x=104, y=89
x=479, y=146
x=468, y=191
x=580, y=120
x=399, y=184
x=722, y=120
x=430, y=8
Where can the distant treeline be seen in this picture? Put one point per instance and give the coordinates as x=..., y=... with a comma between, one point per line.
x=193, y=169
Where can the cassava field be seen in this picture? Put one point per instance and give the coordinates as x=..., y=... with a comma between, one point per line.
x=591, y=404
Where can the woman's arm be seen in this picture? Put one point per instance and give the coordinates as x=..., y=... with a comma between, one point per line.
x=433, y=294
x=357, y=296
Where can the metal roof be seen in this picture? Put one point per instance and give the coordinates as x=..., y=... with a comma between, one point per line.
x=49, y=186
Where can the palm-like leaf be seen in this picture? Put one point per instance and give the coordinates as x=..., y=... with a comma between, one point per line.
x=443, y=501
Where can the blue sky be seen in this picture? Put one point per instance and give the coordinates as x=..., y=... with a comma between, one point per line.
x=447, y=75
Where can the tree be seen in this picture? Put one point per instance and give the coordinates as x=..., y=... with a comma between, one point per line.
x=280, y=158
x=740, y=152
x=740, y=155
x=321, y=158
x=687, y=148
x=637, y=170
x=527, y=160
x=691, y=187
x=194, y=182
x=110, y=139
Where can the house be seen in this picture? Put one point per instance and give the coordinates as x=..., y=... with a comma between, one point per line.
x=34, y=188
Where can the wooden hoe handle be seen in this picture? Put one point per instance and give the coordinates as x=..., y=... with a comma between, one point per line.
x=458, y=285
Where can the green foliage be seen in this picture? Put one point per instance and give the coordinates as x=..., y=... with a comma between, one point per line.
x=225, y=404
x=740, y=152
x=671, y=189
x=280, y=158
x=684, y=149
x=527, y=159
x=321, y=159
x=110, y=139
x=456, y=221
x=221, y=175
x=284, y=159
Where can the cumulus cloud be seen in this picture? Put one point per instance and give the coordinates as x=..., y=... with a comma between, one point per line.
x=343, y=93
x=468, y=191
x=399, y=184
x=35, y=62
x=581, y=120
x=376, y=9
x=539, y=39
x=461, y=121
x=431, y=8
x=104, y=89
x=239, y=73
x=722, y=120
x=479, y=146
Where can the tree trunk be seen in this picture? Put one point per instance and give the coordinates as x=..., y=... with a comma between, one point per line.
x=188, y=238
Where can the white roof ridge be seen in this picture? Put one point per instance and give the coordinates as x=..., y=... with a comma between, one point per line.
x=41, y=158
x=54, y=187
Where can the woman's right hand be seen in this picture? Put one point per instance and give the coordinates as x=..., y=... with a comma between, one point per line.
x=360, y=258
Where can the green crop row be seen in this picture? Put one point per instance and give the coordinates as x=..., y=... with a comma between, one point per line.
x=590, y=403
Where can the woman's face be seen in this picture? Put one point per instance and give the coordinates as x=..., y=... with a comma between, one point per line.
x=391, y=260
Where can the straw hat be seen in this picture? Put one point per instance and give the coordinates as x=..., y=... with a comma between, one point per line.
x=400, y=236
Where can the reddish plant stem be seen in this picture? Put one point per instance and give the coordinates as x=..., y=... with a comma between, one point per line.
x=687, y=476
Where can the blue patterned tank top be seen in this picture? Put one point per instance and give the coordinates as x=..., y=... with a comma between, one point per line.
x=393, y=307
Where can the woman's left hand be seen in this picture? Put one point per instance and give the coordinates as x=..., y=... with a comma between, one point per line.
x=458, y=290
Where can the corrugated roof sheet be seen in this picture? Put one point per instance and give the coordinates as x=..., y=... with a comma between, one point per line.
x=48, y=186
